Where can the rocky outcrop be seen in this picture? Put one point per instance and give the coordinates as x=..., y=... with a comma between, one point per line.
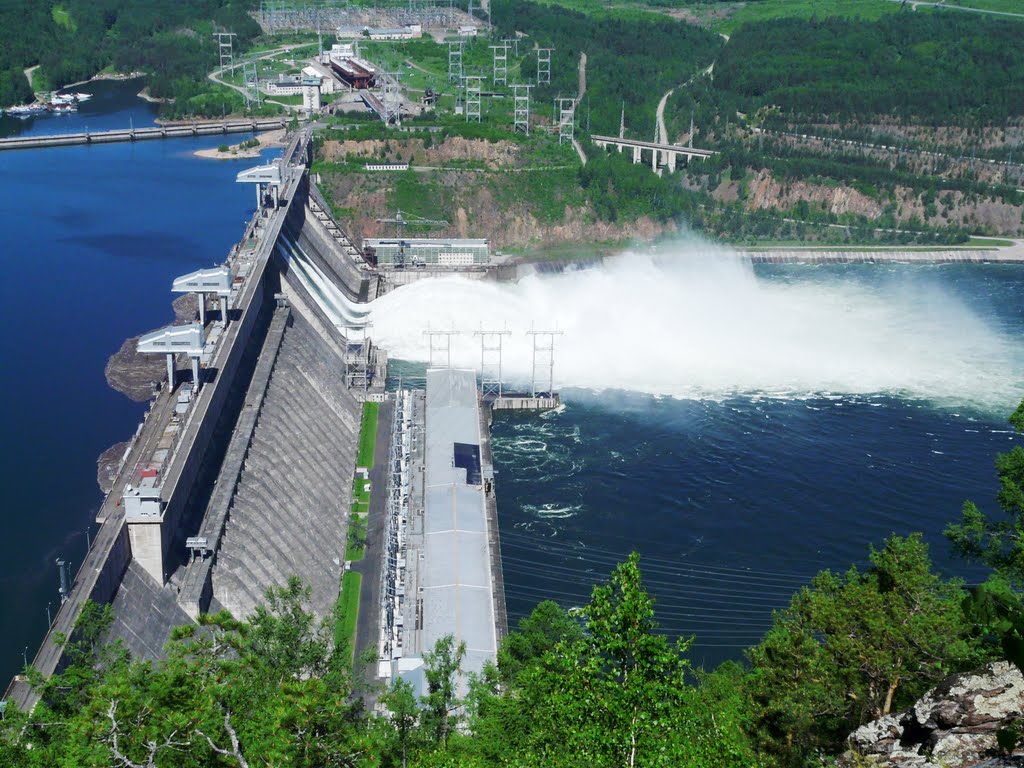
x=133, y=374
x=952, y=726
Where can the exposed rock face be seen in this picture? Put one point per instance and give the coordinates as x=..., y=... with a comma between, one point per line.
x=952, y=726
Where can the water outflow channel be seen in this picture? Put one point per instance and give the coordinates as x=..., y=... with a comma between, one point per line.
x=346, y=315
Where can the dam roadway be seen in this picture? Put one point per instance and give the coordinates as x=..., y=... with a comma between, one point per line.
x=144, y=134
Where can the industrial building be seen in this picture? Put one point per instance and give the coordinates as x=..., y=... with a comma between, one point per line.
x=284, y=85
x=354, y=72
x=425, y=251
x=408, y=32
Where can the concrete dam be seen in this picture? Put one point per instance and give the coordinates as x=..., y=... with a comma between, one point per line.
x=241, y=474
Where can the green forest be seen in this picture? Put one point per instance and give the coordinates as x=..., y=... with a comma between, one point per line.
x=73, y=40
x=632, y=58
x=594, y=686
x=944, y=67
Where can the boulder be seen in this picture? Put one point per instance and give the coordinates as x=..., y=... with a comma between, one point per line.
x=954, y=725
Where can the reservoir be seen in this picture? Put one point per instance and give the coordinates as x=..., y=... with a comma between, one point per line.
x=735, y=490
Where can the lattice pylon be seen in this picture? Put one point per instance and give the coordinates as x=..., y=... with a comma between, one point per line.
x=490, y=361
x=500, y=55
x=566, y=109
x=473, y=99
x=455, y=61
x=521, y=112
x=544, y=65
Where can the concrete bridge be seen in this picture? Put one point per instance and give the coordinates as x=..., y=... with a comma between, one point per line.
x=662, y=155
x=141, y=134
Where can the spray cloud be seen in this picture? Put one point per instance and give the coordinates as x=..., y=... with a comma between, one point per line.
x=695, y=321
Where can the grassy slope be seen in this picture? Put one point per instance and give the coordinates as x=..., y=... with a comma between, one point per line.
x=348, y=610
x=368, y=435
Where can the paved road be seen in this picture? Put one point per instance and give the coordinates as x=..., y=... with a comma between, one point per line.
x=660, y=131
x=581, y=90
x=376, y=526
x=215, y=76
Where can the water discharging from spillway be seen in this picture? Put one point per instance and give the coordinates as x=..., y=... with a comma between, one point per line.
x=331, y=300
x=697, y=321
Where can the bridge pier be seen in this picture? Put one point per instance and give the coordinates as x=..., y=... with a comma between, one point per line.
x=636, y=155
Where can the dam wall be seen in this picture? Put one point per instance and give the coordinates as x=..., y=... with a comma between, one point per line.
x=115, y=547
x=159, y=544
x=197, y=587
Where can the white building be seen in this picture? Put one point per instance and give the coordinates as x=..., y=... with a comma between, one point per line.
x=408, y=32
x=285, y=85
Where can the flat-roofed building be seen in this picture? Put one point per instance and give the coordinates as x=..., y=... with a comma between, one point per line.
x=427, y=251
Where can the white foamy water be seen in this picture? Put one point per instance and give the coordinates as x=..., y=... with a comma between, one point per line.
x=696, y=322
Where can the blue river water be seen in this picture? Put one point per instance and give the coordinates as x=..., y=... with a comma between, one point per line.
x=91, y=239
x=733, y=502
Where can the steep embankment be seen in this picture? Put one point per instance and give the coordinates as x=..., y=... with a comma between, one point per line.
x=515, y=194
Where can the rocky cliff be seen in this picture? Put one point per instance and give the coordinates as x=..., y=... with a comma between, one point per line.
x=952, y=726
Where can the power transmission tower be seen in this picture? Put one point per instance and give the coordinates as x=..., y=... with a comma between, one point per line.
x=500, y=54
x=391, y=98
x=250, y=77
x=513, y=42
x=455, y=61
x=490, y=361
x=443, y=349
x=473, y=97
x=521, y=113
x=225, y=45
x=543, y=356
x=566, y=110
x=544, y=65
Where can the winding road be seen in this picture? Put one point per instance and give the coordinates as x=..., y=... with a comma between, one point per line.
x=215, y=76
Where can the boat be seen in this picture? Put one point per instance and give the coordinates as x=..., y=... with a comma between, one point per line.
x=26, y=110
x=64, y=108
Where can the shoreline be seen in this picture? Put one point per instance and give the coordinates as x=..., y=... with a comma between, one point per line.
x=103, y=76
x=236, y=152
